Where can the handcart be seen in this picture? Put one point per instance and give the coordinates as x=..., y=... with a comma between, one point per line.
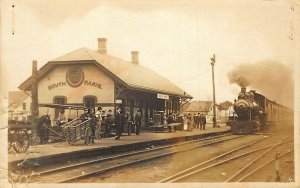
x=72, y=131
x=78, y=129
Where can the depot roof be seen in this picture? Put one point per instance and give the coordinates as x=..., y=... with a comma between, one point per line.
x=131, y=75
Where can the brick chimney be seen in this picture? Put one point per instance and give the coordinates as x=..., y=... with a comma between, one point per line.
x=102, y=46
x=135, y=57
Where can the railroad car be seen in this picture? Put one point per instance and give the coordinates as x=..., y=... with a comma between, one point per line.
x=253, y=112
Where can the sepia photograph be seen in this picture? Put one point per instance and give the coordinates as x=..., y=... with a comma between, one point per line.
x=143, y=93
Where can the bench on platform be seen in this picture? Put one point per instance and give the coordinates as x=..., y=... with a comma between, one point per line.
x=170, y=127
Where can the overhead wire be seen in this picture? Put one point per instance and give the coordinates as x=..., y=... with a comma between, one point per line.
x=197, y=75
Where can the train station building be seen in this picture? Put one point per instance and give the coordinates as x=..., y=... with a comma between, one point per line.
x=92, y=78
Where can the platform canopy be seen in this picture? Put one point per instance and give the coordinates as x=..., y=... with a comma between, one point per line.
x=62, y=106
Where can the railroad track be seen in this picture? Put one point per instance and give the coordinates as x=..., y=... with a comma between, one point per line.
x=69, y=173
x=216, y=162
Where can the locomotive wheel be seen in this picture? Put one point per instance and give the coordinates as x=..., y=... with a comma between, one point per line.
x=88, y=136
x=21, y=141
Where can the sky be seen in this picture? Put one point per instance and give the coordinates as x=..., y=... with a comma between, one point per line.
x=175, y=38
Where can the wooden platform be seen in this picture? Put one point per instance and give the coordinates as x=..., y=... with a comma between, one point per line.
x=170, y=127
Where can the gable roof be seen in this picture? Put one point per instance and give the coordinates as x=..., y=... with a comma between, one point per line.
x=15, y=98
x=131, y=75
x=199, y=106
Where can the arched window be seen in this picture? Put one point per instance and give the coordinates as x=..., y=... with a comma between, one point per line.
x=90, y=101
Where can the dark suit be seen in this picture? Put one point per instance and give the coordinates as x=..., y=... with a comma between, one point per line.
x=118, y=122
x=138, y=122
x=93, y=125
x=202, y=122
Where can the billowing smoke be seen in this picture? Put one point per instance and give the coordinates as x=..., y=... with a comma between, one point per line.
x=271, y=79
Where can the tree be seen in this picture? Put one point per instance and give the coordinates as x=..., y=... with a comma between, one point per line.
x=225, y=105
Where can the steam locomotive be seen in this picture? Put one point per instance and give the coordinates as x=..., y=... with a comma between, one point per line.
x=254, y=112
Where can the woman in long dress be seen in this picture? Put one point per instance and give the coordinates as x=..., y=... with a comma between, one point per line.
x=189, y=122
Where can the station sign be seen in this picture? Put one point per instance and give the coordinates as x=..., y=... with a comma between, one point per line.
x=162, y=96
x=118, y=101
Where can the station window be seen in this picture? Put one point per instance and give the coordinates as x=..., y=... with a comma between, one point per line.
x=24, y=106
x=90, y=101
x=59, y=100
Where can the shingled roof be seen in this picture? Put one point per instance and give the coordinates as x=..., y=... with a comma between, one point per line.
x=198, y=106
x=131, y=75
x=15, y=98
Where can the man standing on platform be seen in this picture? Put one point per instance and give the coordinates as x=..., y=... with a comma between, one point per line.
x=128, y=121
x=197, y=121
x=118, y=122
x=138, y=121
x=98, y=115
x=61, y=118
x=202, y=122
x=93, y=123
x=85, y=115
x=194, y=121
x=170, y=121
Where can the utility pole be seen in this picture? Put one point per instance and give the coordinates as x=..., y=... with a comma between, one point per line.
x=34, y=103
x=213, y=61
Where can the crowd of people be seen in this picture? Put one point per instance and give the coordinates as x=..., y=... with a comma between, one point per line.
x=102, y=124
x=189, y=121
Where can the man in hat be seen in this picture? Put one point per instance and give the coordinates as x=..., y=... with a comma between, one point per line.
x=170, y=121
x=85, y=114
x=61, y=118
x=202, y=122
x=118, y=122
x=138, y=121
x=98, y=115
x=93, y=123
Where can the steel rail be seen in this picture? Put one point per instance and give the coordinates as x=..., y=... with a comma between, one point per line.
x=263, y=165
x=141, y=160
x=123, y=155
x=253, y=161
x=217, y=157
x=224, y=161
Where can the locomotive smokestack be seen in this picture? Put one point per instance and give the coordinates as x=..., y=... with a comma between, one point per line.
x=243, y=90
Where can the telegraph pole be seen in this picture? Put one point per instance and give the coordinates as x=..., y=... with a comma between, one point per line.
x=213, y=61
x=34, y=103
